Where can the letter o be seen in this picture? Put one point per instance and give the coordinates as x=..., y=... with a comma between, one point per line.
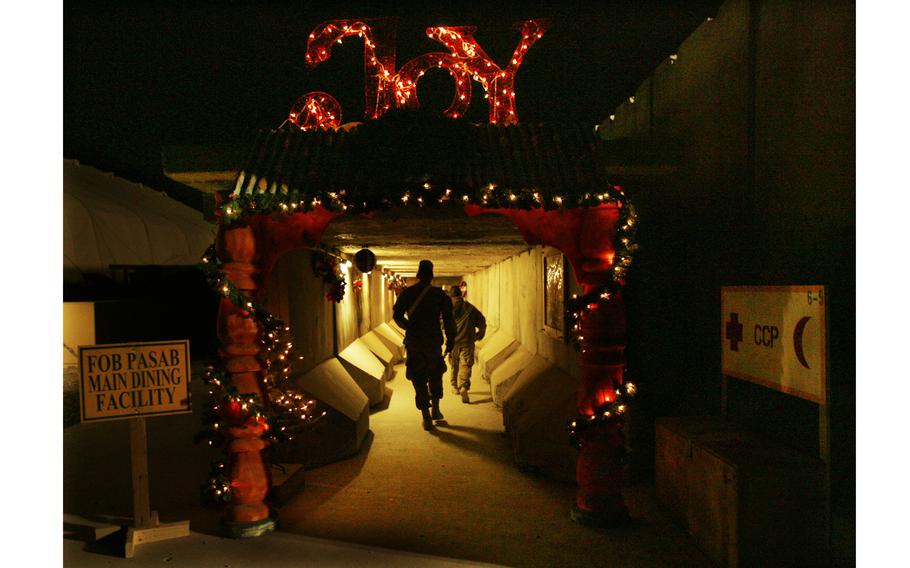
x=405, y=82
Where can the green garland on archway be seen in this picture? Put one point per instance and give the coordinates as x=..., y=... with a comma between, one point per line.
x=610, y=411
x=285, y=413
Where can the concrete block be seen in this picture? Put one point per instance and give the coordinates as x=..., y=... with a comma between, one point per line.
x=392, y=340
x=366, y=369
x=494, y=352
x=332, y=438
x=396, y=328
x=378, y=347
x=504, y=376
x=331, y=384
x=341, y=432
x=535, y=413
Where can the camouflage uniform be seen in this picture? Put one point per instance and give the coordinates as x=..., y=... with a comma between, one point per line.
x=470, y=327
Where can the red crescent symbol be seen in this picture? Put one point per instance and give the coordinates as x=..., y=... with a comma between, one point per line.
x=798, y=340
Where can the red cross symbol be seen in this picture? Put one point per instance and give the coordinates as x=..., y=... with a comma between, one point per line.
x=734, y=331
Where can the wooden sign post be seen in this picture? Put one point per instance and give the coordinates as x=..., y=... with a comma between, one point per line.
x=135, y=380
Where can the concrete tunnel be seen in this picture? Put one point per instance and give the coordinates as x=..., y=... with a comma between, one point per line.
x=524, y=365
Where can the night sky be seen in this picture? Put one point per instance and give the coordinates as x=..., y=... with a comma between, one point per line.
x=142, y=75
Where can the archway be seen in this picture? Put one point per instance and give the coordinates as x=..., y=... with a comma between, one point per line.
x=546, y=179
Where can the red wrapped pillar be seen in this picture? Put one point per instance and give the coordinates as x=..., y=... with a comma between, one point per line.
x=248, y=252
x=599, y=471
x=602, y=340
x=246, y=514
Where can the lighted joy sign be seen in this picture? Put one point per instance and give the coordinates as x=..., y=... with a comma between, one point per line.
x=385, y=87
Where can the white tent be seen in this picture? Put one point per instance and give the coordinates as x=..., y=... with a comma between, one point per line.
x=108, y=220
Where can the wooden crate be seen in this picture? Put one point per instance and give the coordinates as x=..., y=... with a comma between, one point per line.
x=753, y=503
x=675, y=438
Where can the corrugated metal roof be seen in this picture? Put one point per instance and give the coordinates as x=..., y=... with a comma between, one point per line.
x=379, y=160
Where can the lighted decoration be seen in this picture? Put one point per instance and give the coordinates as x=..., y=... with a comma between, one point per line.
x=624, y=247
x=498, y=83
x=385, y=87
x=315, y=110
x=413, y=70
x=378, y=56
x=396, y=284
x=217, y=490
x=492, y=196
x=286, y=412
x=327, y=268
x=609, y=411
x=365, y=260
x=357, y=285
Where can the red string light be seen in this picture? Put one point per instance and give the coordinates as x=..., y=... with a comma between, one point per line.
x=407, y=78
x=385, y=87
x=498, y=83
x=316, y=110
x=378, y=56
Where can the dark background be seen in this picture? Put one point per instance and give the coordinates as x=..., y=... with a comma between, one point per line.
x=142, y=75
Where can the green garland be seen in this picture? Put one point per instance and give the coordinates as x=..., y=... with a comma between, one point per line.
x=285, y=414
x=608, y=412
x=325, y=268
x=427, y=194
x=420, y=193
x=624, y=248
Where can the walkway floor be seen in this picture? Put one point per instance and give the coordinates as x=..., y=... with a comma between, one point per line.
x=409, y=498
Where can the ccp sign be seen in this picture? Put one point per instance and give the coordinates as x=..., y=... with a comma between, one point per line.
x=126, y=380
x=775, y=336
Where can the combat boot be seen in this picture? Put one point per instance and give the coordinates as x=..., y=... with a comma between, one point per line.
x=436, y=413
x=427, y=419
x=464, y=396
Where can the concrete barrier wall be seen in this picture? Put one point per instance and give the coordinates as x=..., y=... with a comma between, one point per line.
x=379, y=294
x=392, y=340
x=364, y=305
x=341, y=432
x=296, y=295
x=367, y=370
x=348, y=313
x=495, y=350
x=757, y=113
x=535, y=411
x=510, y=295
x=504, y=375
x=379, y=348
x=333, y=386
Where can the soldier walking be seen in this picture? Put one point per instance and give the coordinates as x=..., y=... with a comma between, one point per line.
x=419, y=310
x=470, y=327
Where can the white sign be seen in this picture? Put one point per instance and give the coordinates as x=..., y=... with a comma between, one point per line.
x=125, y=380
x=775, y=336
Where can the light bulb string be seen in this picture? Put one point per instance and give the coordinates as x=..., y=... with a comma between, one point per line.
x=421, y=193
x=285, y=410
x=610, y=412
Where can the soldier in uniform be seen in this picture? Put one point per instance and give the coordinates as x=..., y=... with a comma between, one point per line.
x=419, y=310
x=470, y=326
